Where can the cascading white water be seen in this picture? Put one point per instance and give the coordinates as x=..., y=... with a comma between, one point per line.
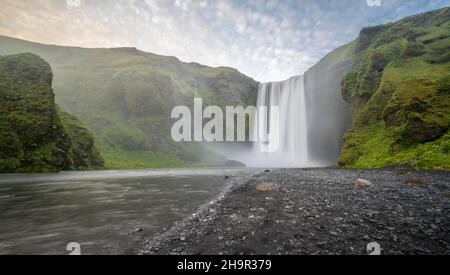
x=282, y=127
x=312, y=121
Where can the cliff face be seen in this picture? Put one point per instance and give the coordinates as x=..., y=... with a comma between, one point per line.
x=32, y=136
x=125, y=97
x=328, y=115
x=399, y=91
x=83, y=152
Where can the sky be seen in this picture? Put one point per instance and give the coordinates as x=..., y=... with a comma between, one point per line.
x=268, y=40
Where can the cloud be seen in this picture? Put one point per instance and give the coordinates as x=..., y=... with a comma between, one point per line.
x=265, y=39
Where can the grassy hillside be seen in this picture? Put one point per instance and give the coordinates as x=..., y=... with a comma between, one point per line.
x=125, y=97
x=399, y=92
x=32, y=136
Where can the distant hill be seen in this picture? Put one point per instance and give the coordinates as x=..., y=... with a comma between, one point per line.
x=125, y=97
x=399, y=91
x=34, y=135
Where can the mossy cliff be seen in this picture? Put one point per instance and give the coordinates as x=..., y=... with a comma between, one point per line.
x=33, y=137
x=83, y=153
x=399, y=91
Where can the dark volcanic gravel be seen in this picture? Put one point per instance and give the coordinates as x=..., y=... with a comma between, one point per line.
x=320, y=211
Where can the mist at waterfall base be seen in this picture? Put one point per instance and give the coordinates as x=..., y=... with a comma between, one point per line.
x=306, y=132
x=281, y=128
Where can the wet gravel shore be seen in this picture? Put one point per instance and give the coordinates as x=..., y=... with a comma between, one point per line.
x=319, y=211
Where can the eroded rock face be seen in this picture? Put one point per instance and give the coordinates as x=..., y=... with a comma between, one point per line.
x=35, y=138
x=32, y=136
x=419, y=130
x=399, y=95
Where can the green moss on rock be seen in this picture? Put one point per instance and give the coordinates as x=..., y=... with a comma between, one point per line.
x=32, y=136
x=83, y=151
x=399, y=93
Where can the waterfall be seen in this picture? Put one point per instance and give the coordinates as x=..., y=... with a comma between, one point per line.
x=282, y=126
x=312, y=120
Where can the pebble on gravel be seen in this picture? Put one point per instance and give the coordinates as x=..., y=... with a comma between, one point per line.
x=361, y=183
x=137, y=230
x=416, y=181
x=266, y=187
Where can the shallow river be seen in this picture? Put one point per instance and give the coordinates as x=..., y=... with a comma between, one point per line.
x=106, y=212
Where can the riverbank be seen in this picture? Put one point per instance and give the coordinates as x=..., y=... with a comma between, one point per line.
x=319, y=211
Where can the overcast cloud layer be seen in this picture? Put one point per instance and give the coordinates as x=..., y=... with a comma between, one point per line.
x=265, y=39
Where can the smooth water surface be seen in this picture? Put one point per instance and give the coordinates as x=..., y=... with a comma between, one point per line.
x=106, y=212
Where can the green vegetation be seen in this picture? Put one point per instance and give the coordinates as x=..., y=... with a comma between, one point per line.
x=83, y=152
x=123, y=159
x=125, y=97
x=399, y=93
x=32, y=136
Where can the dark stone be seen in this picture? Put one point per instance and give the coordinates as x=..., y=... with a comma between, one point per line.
x=414, y=50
